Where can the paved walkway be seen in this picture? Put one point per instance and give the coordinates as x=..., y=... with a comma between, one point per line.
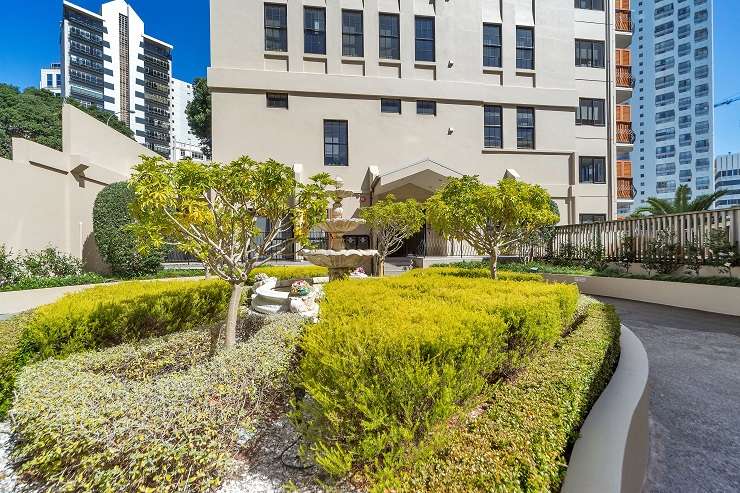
x=695, y=396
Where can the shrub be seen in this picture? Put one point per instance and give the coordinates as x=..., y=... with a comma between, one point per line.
x=158, y=416
x=53, y=282
x=116, y=242
x=519, y=438
x=104, y=316
x=9, y=269
x=289, y=271
x=663, y=254
x=50, y=262
x=391, y=357
x=11, y=331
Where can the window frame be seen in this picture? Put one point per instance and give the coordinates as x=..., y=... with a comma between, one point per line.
x=595, y=178
x=492, y=46
x=393, y=39
x=282, y=29
x=346, y=47
x=592, y=44
x=493, y=126
x=580, y=120
x=343, y=135
x=589, y=4
x=418, y=39
x=420, y=103
x=525, y=49
x=593, y=216
x=520, y=128
x=394, y=100
x=314, y=40
x=270, y=99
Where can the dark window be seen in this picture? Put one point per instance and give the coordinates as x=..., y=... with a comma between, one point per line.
x=592, y=218
x=389, y=37
x=525, y=128
x=491, y=45
x=49, y=80
x=589, y=53
x=277, y=100
x=276, y=27
x=390, y=106
x=59, y=80
x=525, y=47
x=492, y=127
x=425, y=107
x=592, y=170
x=590, y=4
x=424, y=39
x=314, y=30
x=590, y=112
x=335, y=143
x=352, y=40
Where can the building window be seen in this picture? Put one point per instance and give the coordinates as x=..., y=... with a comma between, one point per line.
x=314, y=30
x=590, y=4
x=525, y=48
x=352, y=39
x=424, y=39
x=425, y=107
x=276, y=27
x=492, y=127
x=49, y=80
x=589, y=53
x=277, y=100
x=702, y=183
x=592, y=218
x=491, y=45
x=59, y=80
x=390, y=106
x=592, y=169
x=525, y=128
x=335, y=143
x=389, y=36
x=590, y=112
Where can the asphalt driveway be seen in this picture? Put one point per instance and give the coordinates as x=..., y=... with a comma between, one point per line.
x=694, y=362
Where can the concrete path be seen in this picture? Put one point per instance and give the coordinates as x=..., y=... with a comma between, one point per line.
x=694, y=362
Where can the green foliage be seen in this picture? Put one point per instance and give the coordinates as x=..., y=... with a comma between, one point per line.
x=11, y=331
x=627, y=253
x=43, y=268
x=290, y=271
x=9, y=268
x=721, y=253
x=24, y=283
x=115, y=240
x=391, y=357
x=36, y=115
x=489, y=217
x=198, y=112
x=681, y=203
x=49, y=262
x=518, y=439
x=392, y=222
x=104, y=316
x=155, y=416
x=663, y=253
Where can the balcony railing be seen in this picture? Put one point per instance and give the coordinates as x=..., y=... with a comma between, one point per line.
x=624, y=21
x=624, y=76
x=625, y=189
x=625, y=134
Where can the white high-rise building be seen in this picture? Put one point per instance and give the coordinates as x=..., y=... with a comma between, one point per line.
x=184, y=143
x=727, y=177
x=673, y=99
x=51, y=78
x=108, y=61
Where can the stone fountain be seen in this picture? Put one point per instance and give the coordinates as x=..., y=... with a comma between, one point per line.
x=337, y=259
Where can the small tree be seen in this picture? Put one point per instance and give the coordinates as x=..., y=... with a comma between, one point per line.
x=489, y=217
x=391, y=222
x=198, y=112
x=211, y=211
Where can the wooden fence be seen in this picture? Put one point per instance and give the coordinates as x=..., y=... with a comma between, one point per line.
x=694, y=226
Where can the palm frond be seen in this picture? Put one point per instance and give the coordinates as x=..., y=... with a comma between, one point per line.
x=704, y=202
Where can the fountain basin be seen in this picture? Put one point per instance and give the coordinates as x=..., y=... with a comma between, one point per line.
x=340, y=262
x=340, y=225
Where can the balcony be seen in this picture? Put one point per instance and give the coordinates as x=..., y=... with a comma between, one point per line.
x=623, y=21
x=625, y=134
x=625, y=189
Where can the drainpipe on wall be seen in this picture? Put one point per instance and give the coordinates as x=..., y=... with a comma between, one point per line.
x=609, y=126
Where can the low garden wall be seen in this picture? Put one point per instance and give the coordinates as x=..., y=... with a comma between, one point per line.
x=704, y=297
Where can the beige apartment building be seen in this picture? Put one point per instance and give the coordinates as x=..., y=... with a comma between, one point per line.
x=396, y=96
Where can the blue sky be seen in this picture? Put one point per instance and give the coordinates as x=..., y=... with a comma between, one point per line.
x=29, y=39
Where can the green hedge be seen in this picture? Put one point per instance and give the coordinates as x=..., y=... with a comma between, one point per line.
x=391, y=357
x=155, y=416
x=11, y=331
x=290, y=271
x=104, y=316
x=519, y=437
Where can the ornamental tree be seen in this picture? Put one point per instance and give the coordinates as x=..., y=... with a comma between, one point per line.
x=489, y=217
x=391, y=222
x=211, y=210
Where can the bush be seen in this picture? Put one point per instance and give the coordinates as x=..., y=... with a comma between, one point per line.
x=9, y=270
x=519, y=438
x=391, y=357
x=117, y=244
x=159, y=416
x=53, y=282
x=50, y=262
x=104, y=316
x=44, y=268
x=11, y=331
x=290, y=271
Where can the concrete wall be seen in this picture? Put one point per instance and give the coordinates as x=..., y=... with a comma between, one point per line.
x=47, y=196
x=333, y=86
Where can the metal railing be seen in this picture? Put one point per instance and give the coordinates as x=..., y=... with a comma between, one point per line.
x=625, y=188
x=624, y=76
x=625, y=134
x=623, y=21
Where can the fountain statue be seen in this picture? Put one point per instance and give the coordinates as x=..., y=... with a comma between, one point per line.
x=337, y=259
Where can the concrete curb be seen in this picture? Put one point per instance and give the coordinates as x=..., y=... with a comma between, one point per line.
x=611, y=455
x=704, y=297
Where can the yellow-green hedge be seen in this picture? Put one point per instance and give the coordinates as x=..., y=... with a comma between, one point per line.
x=104, y=316
x=290, y=271
x=391, y=357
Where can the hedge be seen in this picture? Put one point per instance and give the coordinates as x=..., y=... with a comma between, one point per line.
x=154, y=416
x=290, y=271
x=391, y=357
x=104, y=316
x=11, y=331
x=519, y=437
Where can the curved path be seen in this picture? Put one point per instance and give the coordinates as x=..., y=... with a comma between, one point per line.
x=694, y=362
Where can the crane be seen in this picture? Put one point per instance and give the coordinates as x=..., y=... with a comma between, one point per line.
x=727, y=101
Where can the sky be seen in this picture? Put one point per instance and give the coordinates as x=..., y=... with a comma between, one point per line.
x=29, y=39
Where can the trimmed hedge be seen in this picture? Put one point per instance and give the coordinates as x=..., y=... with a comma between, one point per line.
x=158, y=416
x=11, y=331
x=519, y=438
x=290, y=271
x=104, y=316
x=391, y=357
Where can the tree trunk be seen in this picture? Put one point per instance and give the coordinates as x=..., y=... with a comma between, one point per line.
x=494, y=264
x=233, y=314
x=381, y=267
x=208, y=272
